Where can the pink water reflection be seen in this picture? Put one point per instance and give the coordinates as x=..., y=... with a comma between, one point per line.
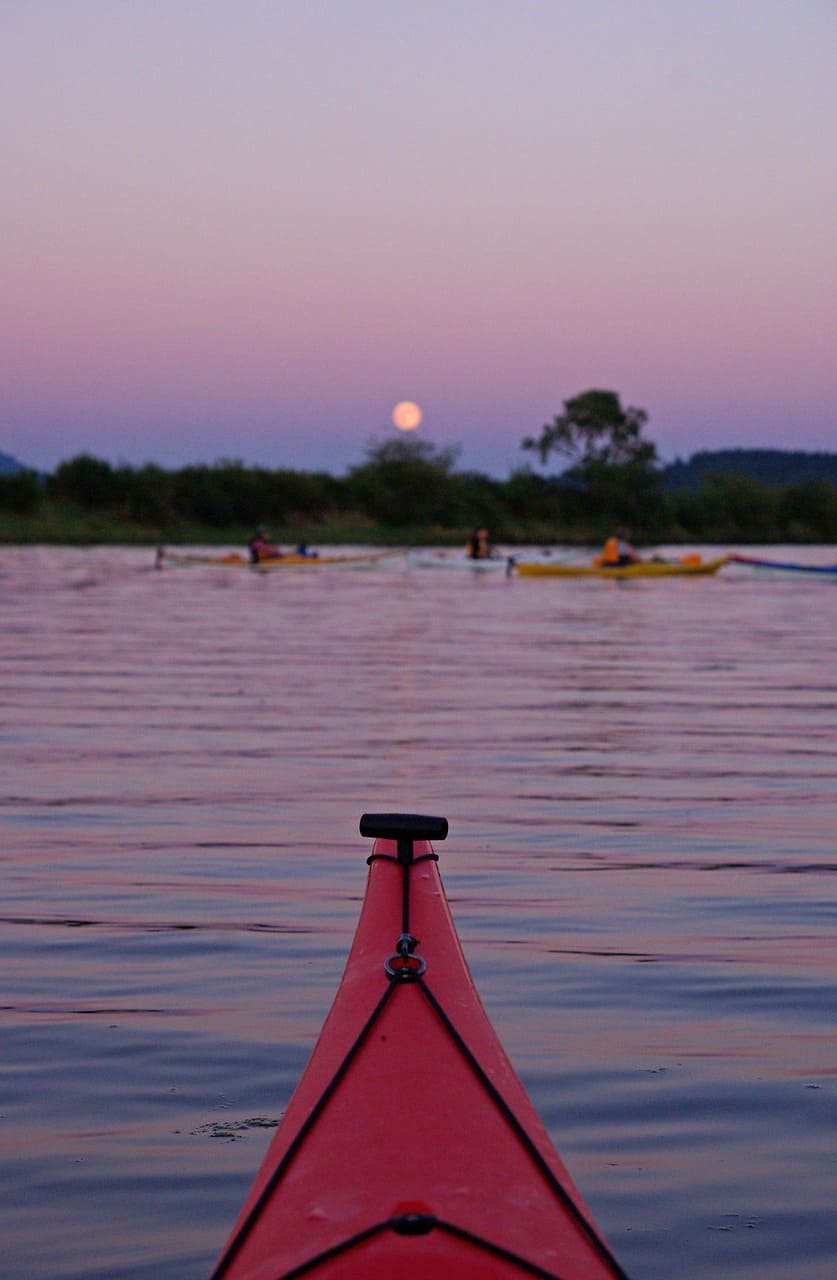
x=641, y=789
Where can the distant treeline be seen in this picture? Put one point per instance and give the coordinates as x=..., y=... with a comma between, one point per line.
x=769, y=466
x=408, y=490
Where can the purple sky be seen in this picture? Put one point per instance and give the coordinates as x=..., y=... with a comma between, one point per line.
x=248, y=229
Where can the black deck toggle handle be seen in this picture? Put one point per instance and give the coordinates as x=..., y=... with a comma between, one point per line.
x=405, y=828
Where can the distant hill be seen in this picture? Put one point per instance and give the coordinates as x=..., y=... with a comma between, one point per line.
x=10, y=466
x=768, y=466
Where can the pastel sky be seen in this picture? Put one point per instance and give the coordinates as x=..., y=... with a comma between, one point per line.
x=243, y=228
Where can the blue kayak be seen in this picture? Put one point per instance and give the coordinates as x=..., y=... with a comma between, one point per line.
x=786, y=566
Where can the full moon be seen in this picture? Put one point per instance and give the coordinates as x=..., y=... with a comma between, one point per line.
x=406, y=415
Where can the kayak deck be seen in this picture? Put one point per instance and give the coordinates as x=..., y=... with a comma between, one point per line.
x=410, y=1142
x=641, y=569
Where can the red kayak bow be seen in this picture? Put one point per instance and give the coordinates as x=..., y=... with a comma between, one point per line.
x=410, y=1146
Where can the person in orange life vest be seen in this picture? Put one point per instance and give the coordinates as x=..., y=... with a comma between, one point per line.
x=261, y=548
x=618, y=551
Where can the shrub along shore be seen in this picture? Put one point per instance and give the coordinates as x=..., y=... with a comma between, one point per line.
x=406, y=494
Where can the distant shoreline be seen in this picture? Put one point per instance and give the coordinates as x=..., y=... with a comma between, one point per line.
x=78, y=531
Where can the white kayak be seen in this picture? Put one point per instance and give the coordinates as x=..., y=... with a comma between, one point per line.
x=447, y=559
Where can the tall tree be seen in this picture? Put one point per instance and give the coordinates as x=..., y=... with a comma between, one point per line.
x=595, y=430
x=612, y=466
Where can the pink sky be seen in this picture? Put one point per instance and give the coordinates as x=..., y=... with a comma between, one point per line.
x=248, y=230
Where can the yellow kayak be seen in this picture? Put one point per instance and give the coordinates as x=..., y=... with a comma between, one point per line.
x=641, y=569
x=290, y=561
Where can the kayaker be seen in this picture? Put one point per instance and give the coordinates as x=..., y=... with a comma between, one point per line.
x=261, y=548
x=618, y=551
x=479, y=545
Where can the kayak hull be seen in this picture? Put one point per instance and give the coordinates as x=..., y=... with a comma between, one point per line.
x=454, y=560
x=642, y=569
x=786, y=566
x=236, y=561
x=410, y=1141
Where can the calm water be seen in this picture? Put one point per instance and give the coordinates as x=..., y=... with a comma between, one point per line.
x=641, y=786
